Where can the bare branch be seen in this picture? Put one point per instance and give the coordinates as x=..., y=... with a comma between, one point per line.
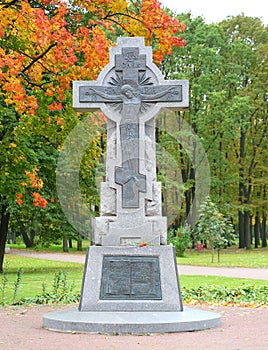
x=38, y=57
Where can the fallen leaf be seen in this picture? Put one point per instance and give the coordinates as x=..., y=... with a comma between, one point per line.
x=22, y=312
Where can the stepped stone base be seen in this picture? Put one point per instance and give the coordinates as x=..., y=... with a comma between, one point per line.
x=130, y=290
x=73, y=320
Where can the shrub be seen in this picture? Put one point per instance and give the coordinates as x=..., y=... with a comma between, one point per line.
x=214, y=228
x=246, y=295
x=180, y=239
x=62, y=292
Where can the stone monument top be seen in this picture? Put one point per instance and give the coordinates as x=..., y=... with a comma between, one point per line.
x=130, y=91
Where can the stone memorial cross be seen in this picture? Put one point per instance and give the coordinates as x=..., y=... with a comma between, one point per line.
x=128, y=288
x=130, y=91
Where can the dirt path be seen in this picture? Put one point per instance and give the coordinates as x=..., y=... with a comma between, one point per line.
x=236, y=272
x=241, y=329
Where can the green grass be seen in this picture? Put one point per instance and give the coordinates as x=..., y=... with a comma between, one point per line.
x=38, y=271
x=228, y=258
x=53, y=248
x=35, y=273
x=187, y=281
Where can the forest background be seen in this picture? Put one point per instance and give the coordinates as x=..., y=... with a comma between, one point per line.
x=45, y=45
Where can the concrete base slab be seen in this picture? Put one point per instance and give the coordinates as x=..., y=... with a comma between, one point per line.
x=73, y=320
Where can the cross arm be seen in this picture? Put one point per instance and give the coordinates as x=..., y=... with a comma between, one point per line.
x=88, y=96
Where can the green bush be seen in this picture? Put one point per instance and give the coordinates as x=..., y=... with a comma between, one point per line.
x=180, y=239
x=62, y=292
x=246, y=294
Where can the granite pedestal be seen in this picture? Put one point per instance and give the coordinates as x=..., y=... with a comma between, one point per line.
x=130, y=279
x=117, y=297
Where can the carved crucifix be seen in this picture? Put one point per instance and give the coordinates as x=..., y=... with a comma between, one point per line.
x=130, y=91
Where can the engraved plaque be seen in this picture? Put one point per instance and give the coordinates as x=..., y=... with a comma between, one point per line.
x=130, y=60
x=130, y=278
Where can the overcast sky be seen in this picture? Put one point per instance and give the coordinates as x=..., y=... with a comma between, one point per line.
x=215, y=10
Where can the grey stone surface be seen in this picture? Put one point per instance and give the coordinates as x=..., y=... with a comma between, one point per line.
x=130, y=91
x=108, y=202
x=170, y=291
x=73, y=320
x=154, y=207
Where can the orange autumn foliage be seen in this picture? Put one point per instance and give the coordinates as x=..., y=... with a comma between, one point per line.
x=45, y=46
x=39, y=201
x=19, y=199
x=33, y=181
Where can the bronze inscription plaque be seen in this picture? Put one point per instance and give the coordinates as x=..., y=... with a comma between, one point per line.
x=130, y=278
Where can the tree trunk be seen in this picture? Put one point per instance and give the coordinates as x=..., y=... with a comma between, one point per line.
x=190, y=204
x=70, y=243
x=79, y=245
x=241, y=230
x=28, y=241
x=251, y=229
x=65, y=245
x=247, y=229
x=11, y=238
x=263, y=231
x=212, y=253
x=187, y=173
x=241, y=190
x=257, y=231
x=5, y=216
x=32, y=235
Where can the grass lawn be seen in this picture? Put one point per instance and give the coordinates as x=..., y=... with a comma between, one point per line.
x=187, y=281
x=35, y=273
x=230, y=257
x=53, y=248
x=38, y=271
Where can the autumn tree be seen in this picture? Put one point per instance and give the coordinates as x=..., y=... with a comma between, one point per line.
x=45, y=45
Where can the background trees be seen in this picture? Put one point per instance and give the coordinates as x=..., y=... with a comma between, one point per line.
x=226, y=65
x=45, y=45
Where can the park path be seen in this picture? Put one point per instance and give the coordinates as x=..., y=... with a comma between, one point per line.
x=235, y=272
